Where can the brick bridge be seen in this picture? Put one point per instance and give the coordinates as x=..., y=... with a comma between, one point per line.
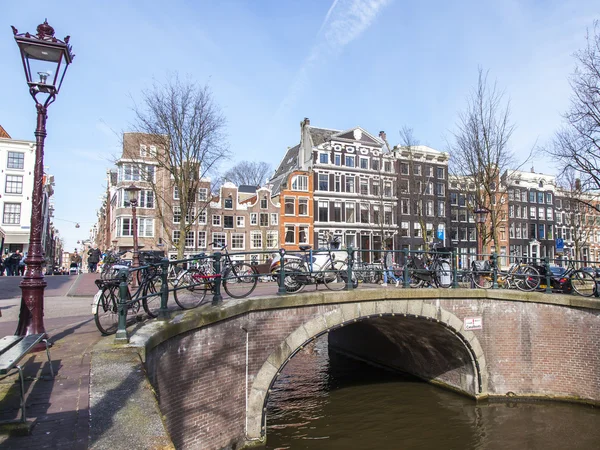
x=212, y=368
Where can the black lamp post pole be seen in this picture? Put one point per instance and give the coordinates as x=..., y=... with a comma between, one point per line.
x=136, y=254
x=31, y=315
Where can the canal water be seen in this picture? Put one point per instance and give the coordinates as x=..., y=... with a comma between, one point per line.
x=324, y=400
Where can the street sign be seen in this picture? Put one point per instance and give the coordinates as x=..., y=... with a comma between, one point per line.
x=473, y=323
x=560, y=244
x=440, y=234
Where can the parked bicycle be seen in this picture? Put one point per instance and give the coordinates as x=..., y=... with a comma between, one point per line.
x=580, y=281
x=194, y=283
x=437, y=272
x=321, y=267
x=112, y=264
x=519, y=275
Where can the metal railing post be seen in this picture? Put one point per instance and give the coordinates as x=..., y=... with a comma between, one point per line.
x=548, y=280
x=495, y=270
x=281, y=290
x=217, y=297
x=349, y=264
x=405, y=276
x=121, y=335
x=454, y=269
x=163, y=312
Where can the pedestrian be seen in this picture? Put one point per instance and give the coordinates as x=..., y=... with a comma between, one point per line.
x=1, y=266
x=93, y=259
x=388, y=267
x=12, y=263
x=21, y=265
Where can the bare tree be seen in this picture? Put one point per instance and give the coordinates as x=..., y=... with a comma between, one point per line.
x=481, y=152
x=251, y=173
x=576, y=145
x=184, y=132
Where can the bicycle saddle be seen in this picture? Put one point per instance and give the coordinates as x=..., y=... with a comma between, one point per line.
x=304, y=247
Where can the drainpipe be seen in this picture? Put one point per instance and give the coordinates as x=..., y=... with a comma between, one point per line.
x=246, y=392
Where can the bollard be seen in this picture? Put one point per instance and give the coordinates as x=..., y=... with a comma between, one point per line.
x=121, y=336
x=349, y=284
x=405, y=276
x=281, y=290
x=495, y=271
x=163, y=312
x=454, y=270
x=548, y=280
x=217, y=297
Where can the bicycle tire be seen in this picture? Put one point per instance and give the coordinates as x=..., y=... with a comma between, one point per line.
x=105, y=272
x=482, y=280
x=239, y=280
x=583, y=283
x=443, y=274
x=293, y=280
x=190, y=293
x=336, y=277
x=151, y=301
x=527, y=279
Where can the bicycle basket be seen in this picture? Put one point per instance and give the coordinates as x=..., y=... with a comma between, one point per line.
x=481, y=266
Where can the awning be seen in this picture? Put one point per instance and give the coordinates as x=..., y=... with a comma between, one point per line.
x=16, y=238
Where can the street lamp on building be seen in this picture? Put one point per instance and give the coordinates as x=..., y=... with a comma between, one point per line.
x=481, y=217
x=49, y=58
x=132, y=193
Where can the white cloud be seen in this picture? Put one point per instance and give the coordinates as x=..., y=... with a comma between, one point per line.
x=345, y=21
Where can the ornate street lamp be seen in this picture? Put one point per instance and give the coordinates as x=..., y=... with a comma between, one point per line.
x=49, y=58
x=481, y=216
x=132, y=192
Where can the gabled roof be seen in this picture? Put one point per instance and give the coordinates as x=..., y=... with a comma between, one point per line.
x=321, y=135
x=357, y=134
x=3, y=133
x=287, y=165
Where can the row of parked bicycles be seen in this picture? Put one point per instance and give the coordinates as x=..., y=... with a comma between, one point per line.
x=199, y=279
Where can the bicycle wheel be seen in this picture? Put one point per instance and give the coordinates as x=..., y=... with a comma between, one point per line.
x=296, y=277
x=583, y=283
x=106, y=310
x=151, y=297
x=190, y=289
x=482, y=280
x=527, y=278
x=239, y=280
x=443, y=274
x=106, y=271
x=336, y=276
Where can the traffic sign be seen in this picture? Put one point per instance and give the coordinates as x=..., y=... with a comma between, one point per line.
x=560, y=244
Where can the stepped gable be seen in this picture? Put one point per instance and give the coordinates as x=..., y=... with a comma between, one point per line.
x=3, y=133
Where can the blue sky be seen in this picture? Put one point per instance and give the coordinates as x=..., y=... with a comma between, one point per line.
x=380, y=64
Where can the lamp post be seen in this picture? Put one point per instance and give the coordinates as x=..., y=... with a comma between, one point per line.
x=132, y=192
x=481, y=214
x=45, y=55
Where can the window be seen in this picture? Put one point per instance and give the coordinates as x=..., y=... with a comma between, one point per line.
x=511, y=194
x=143, y=151
x=264, y=219
x=375, y=188
x=375, y=165
x=16, y=160
x=189, y=239
x=14, y=184
x=541, y=231
x=440, y=173
x=253, y=219
x=272, y=239
x=541, y=213
x=303, y=207
x=349, y=184
x=405, y=206
x=323, y=158
x=175, y=193
x=472, y=234
x=364, y=213
x=417, y=169
x=337, y=160
x=176, y=234
x=228, y=203
x=404, y=168
x=453, y=198
x=429, y=190
x=364, y=187
x=350, y=214
x=146, y=199
x=387, y=217
x=176, y=214
x=201, y=239
x=531, y=197
x=349, y=161
x=338, y=183
x=274, y=219
x=429, y=208
x=439, y=189
x=549, y=214
x=220, y=239
x=201, y=219
x=289, y=206
x=532, y=212
x=404, y=227
x=549, y=198
x=228, y=222
x=417, y=232
x=237, y=241
x=300, y=183
x=129, y=172
x=303, y=235
x=387, y=166
x=323, y=182
x=441, y=209
x=403, y=186
x=216, y=221
x=290, y=237
x=145, y=226
x=337, y=211
x=256, y=239
x=387, y=189
x=323, y=211
x=461, y=200
x=540, y=197
x=12, y=213
x=523, y=196
x=263, y=202
x=202, y=194
x=364, y=163
x=189, y=216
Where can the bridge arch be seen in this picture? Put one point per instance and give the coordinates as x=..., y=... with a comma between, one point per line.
x=413, y=315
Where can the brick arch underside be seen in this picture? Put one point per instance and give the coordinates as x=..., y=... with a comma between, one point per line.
x=418, y=344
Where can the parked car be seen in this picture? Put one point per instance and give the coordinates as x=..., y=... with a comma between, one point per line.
x=73, y=269
x=557, y=271
x=595, y=271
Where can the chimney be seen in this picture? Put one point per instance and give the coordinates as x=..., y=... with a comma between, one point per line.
x=306, y=121
x=382, y=135
x=306, y=145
